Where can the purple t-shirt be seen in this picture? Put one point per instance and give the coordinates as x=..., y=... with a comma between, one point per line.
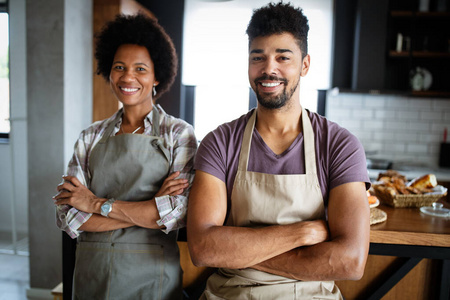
x=340, y=157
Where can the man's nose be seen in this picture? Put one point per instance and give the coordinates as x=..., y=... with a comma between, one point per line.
x=270, y=67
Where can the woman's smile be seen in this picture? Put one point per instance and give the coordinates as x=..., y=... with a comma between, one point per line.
x=128, y=90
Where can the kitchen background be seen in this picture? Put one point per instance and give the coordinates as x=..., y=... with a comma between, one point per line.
x=405, y=130
x=51, y=58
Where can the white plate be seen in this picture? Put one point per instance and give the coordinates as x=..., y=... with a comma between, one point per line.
x=420, y=79
x=427, y=79
x=375, y=204
x=436, y=210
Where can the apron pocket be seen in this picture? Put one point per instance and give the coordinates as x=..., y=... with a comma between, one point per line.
x=137, y=271
x=219, y=287
x=317, y=290
x=118, y=271
x=92, y=270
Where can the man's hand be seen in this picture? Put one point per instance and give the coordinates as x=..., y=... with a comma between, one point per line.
x=315, y=232
x=75, y=194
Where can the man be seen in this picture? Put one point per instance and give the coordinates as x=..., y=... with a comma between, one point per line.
x=279, y=200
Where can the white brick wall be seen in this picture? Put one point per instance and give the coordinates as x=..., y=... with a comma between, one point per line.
x=399, y=128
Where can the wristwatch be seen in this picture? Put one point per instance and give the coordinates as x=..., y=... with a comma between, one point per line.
x=107, y=207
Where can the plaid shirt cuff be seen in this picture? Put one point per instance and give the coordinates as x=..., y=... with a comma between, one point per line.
x=71, y=220
x=171, y=217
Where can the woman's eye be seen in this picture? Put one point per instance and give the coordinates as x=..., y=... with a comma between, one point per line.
x=118, y=67
x=140, y=69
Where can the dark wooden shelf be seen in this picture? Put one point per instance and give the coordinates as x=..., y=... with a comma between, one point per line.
x=394, y=53
x=419, y=14
x=430, y=54
x=437, y=94
x=406, y=93
x=424, y=54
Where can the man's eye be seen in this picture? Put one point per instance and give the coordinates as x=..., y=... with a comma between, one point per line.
x=284, y=58
x=256, y=58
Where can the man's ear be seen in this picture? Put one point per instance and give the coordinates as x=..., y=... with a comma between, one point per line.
x=305, y=65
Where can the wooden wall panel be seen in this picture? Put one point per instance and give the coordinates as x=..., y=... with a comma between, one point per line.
x=421, y=283
x=104, y=103
x=193, y=276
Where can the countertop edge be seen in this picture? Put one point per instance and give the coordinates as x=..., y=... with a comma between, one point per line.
x=442, y=174
x=409, y=238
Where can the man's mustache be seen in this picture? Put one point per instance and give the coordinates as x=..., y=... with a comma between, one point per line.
x=272, y=78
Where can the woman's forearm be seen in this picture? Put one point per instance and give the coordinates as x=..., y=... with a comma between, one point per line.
x=143, y=213
x=98, y=223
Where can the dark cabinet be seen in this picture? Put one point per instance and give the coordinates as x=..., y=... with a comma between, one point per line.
x=390, y=41
x=418, y=39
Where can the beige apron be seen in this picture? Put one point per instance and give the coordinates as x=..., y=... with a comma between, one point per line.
x=135, y=262
x=261, y=199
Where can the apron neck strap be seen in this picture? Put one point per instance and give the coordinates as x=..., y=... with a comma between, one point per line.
x=246, y=143
x=308, y=142
x=155, y=121
x=112, y=125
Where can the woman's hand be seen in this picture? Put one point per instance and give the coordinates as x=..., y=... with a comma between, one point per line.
x=172, y=186
x=73, y=193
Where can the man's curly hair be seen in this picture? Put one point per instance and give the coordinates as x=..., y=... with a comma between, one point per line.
x=143, y=31
x=277, y=19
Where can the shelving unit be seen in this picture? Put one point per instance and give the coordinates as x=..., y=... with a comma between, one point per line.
x=365, y=50
x=425, y=44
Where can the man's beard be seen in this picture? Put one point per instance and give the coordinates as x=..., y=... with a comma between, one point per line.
x=278, y=101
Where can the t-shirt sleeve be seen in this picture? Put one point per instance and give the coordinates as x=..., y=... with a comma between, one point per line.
x=347, y=160
x=211, y=155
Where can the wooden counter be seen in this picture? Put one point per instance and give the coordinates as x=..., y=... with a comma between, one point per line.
x=409, y=258
x=408, y=226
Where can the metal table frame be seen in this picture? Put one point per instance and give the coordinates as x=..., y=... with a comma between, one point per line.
x=413, y=255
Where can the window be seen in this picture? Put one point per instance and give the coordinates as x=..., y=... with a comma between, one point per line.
x=215, y=57
x=4, y=75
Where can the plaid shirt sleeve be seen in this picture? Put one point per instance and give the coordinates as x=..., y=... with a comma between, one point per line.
x=172, y=209
x=68, y=218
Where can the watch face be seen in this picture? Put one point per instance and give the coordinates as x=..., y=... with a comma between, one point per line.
x=106, y=208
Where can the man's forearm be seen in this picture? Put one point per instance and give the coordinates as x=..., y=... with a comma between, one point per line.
x=242, y=247
x=330, y=260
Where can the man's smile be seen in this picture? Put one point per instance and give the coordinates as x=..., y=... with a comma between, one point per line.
x=270, y=84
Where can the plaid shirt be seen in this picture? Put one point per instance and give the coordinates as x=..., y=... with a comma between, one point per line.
x=179, y=138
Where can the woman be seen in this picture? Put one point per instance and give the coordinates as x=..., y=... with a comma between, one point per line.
x=126, y=191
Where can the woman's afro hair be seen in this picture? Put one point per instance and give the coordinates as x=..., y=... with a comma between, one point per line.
x=277, y=19
x=143, y=31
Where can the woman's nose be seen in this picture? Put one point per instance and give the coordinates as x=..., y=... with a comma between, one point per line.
x=128, y=76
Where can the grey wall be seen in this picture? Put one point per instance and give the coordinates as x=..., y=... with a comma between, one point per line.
x=59, y=86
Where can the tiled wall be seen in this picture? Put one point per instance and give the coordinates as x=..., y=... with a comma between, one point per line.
x=402, y=129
